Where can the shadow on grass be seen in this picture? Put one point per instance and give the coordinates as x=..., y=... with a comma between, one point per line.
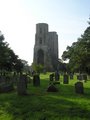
x=49, y=107
x=41, y=105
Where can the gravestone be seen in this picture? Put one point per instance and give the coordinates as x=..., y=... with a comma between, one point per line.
x=65, y=79
x=85, y=77
x=2, y=79
x=22, y=85
x=36, y=80
x=79, y=88
x=52, y=88
x=5, y=83
x=44, y=71
x=56, y=83
x=51, y=77
x=79, y=77
x=15, y=78
x=56, y=76
x=7, y=79
x=6, y=87
x=71, y=76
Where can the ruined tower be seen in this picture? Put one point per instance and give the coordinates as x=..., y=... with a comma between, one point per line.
x=46, y=47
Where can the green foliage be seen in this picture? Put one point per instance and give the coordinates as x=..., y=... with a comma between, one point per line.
x=79, y=53
x=41, y=105
x=37, y=67
x=8, y=59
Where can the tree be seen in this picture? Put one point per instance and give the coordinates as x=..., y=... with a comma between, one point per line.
x=37, y=67
x=8, y=59
x=18, y=65
x=79, y=53
x=3, y=51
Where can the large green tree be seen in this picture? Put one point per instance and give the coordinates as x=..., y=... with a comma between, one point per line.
x=8, y=59
x=79, y=53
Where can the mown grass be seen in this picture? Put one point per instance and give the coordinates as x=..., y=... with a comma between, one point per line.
x=41, y=105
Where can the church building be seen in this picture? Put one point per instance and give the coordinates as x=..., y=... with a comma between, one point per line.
x=46, y=47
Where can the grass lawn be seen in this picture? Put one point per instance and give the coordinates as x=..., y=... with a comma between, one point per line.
x=41, y=105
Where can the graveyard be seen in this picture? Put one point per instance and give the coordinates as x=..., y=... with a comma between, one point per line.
x=39, y=104
x=49, y=88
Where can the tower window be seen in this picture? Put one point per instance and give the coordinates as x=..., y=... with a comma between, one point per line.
x=40, y=41
x=40, y=30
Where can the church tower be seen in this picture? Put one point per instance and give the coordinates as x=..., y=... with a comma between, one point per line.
x=46, y=47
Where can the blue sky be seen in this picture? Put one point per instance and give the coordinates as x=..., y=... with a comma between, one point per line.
x=18, y=19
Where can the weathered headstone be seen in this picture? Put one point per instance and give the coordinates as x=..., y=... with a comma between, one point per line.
x=36, y=80
x=22, y=85
x=79, y=88
x=65, y=79
x=56, y=76
x=52, y=88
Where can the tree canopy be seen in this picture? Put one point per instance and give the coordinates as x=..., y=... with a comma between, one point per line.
x=8, y=59
x=78, y=53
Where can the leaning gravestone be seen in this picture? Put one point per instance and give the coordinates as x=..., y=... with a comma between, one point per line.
x=52, y=88
x=36, y=80
x=22, y=85
x=65, y=79
x=79, y=88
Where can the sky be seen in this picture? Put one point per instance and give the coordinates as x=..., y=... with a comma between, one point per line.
x=18, y=19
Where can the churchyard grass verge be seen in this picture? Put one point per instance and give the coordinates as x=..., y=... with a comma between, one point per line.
x=41, y=105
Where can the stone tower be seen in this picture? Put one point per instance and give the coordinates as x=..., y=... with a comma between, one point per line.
x=46, y=47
